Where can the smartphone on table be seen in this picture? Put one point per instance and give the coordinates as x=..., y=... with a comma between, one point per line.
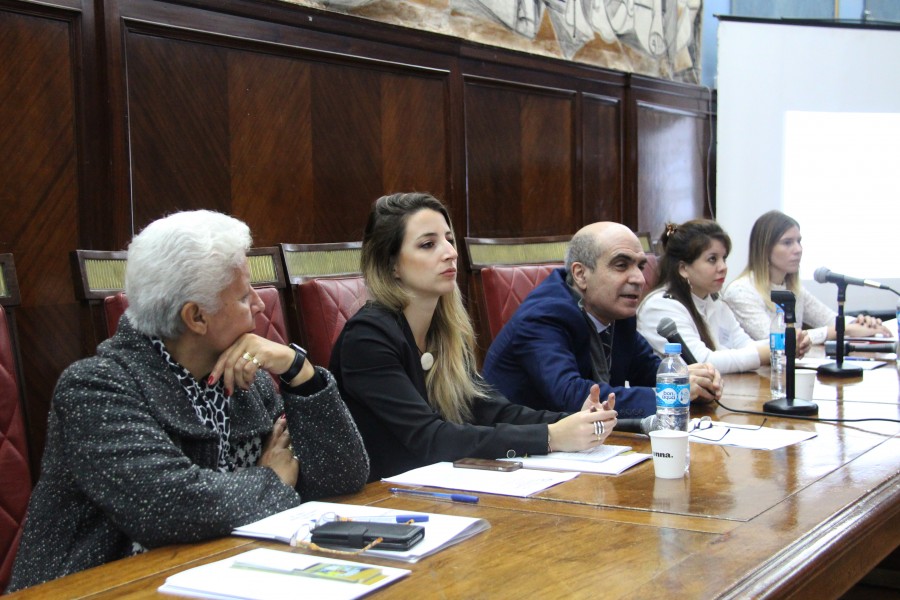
x=487, y=464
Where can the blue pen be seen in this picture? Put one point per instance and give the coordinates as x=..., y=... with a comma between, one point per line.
x=859, y=358
x=390, y=519
x=438, y=495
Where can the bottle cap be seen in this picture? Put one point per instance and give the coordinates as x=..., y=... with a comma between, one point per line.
x=672, y=348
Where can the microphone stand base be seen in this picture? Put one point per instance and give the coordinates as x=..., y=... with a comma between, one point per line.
x=835, y=370
x=783, y=406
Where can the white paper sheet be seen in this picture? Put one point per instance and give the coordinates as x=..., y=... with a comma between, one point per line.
x=750, y=436
x=521, y=483
x=258, y=579
x=606, y=459
x=441, y=531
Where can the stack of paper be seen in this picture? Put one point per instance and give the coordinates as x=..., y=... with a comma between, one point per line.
x=441, y=531
x=264, y=574
x=605, y=459
x=523, y=482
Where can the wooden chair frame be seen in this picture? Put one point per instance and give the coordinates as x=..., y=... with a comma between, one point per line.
x=512, y=251
x=98, y=274
x=485, y=252
x=306, y=262
x=309, y=261
x=9, y=285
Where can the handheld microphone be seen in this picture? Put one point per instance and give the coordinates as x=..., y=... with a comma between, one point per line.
x=826, y=275
x=669, y=330
x=645, y=425
x=831, y=347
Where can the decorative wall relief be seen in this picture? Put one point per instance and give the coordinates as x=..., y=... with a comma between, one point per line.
x=659, y=38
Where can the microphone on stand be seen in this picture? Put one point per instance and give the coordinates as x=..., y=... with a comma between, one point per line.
x=838, y=368
x=826, y=275
x=669, y=330
x=831, y=347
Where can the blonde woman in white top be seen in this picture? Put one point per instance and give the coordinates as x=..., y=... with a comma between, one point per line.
x=691, y=273
x=774, y=264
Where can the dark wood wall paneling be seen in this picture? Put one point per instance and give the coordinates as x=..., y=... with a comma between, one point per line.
x=672, y=145
x=295, y=120
x=50, y=169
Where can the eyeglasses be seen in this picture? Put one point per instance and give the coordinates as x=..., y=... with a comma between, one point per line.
x=705, y=424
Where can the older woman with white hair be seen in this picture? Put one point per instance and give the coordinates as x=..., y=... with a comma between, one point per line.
x=171, y=433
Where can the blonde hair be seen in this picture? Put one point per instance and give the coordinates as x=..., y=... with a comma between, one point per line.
x=766, y=232
x=452, y=384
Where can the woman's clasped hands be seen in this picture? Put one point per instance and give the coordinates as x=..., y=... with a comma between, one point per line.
x=238, y=366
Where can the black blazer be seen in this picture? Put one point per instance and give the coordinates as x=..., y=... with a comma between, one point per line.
x=377, y=366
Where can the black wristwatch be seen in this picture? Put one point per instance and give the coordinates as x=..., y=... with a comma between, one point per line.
x=296, y=366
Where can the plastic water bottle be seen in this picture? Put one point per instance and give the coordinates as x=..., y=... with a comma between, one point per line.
x=778, y=359
x=673, y=394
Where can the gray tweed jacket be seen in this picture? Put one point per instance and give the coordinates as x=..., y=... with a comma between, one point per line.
x=127, y=460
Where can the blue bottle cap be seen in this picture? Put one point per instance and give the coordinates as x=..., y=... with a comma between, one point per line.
x=672, y=348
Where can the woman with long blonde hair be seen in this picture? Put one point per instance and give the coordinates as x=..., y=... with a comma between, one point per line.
x=405, y=362
x=774, y=264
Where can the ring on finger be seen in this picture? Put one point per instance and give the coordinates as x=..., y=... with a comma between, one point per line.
x=247, y=356
x=255, y=361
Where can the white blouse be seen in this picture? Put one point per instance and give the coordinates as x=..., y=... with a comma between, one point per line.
x=755, y=315
x=735, y=352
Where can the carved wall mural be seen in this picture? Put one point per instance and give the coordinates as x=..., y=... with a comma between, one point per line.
x=659, y=38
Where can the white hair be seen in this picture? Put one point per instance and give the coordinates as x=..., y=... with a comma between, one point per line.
x=184, y=257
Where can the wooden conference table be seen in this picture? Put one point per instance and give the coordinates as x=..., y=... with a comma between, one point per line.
x=805, y=521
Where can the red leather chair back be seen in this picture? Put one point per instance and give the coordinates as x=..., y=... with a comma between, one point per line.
x=324, y=306
x=270, y=323
x=113, y=308
x=651, y=273
x=15, y=474
x=505, y=287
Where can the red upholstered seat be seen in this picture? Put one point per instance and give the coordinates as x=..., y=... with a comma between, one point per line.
x=270, y=322
x=651, y=273
x=15, y=474
x=113, y=308
x=505, y=287
x=324, y=306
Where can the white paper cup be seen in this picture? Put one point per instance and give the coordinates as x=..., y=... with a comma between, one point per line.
x=669, y=448
x=804, y=383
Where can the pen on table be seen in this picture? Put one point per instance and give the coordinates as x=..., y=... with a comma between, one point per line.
x=438, y=495
x=859, y=358
x=388, y=519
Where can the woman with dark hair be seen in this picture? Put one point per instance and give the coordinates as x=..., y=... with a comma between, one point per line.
x=405, y=362
x=774, y=264
x=691, y=273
